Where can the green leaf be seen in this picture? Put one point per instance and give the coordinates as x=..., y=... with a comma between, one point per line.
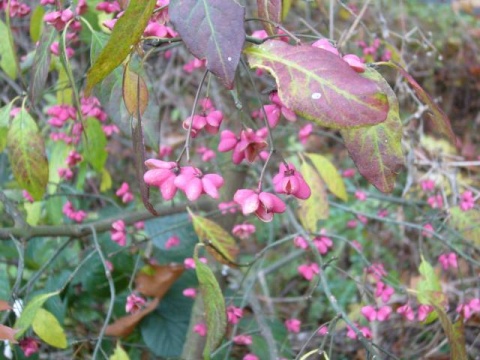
x=330, y=175
x=37, y=23
x=320, y=85
x=47, y=327
x=316, y=207
x=377, y=150
x=455, y=334
x=7, y=52
x=27, y=155
x=217, y=240
x=467, y=223
x=429, y=290
x=119, y=353
x=127, y=32
x=41, y=64
x=29, y=312
x=213, y=30
x=214, y=303
x=94, y=142
x=164, y=330
x=4, y=124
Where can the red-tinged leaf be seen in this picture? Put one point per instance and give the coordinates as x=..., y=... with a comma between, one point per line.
x=330, y=175
x=135, y=93
x=270, y=10
x=127, y=32
x=215, y=312
x=27, y=155
x=440, y=120
x=7, y=333
x=41, y=64
x=377, y=150
x=157, y=279
x=316, y=207
x=125, y=325
x=467, y=223
x=4, y=305
x=320, y=86
x=455, y=333
x=219, y=243
x=212, y=30
x=140, y=168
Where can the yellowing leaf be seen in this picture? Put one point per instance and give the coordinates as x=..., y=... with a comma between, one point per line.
x=377, y=150
x=119, y=353
x=330, y=175
x=47, y=327
x=286, y=5
x=106, y=183
x=29, y=312
x=135, y=93
x=27, y=155
x=214, y=303
x=316, y=207
x=218, y=241
x=429, y=288
x=127, y=32
x=467, y=223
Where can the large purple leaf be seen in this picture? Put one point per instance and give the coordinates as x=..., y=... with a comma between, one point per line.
x=212, y=30
x=270, y=10
x=320, y=86
x=377, y=150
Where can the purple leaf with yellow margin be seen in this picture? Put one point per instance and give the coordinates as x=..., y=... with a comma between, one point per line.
x=320, y=86
x=377, y=150
x=212, y=30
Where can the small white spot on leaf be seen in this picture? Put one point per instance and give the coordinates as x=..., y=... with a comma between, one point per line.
x=316, y=96
x=229, y=58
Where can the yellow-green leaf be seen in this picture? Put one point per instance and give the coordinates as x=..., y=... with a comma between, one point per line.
x=119, y=353
x=429, y=287
x=106, y=183
x=27, y=155
x=455, y=334
x=214, y=303
x=47, y=327
x=135, y=92
x=467, y=223
x=329, y=174
x=37, y=23
x=29, y=312
x=127, y=32
x=94, y=141
x=7, y=52
x=316, y=207
x=218, y=241
x=4, y=124
x=34, y=212
x=286, y=4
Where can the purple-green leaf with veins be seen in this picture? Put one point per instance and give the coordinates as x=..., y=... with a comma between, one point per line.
x=320, y=86
x=377, y=150
x=212, y=30
x=270, y=10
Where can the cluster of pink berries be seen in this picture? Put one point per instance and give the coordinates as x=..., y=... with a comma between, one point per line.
x=16, y=8
x=76, y=215
x=383, y=293
x=125, y=193
x=210, y=120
